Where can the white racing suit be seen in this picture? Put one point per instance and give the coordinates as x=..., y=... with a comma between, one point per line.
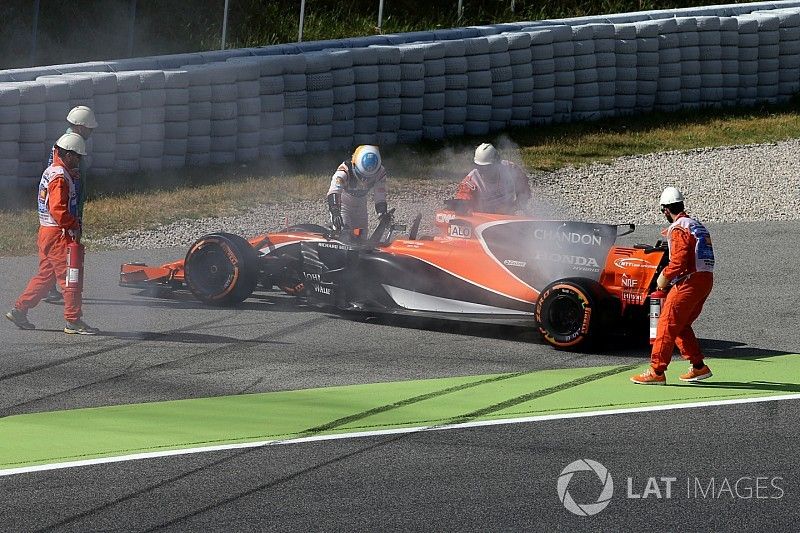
x=352, y=192
x=508, y=192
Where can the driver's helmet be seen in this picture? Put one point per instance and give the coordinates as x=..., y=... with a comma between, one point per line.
x=366, y=161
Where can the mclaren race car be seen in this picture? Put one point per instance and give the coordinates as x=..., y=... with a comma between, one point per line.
x=566, y=278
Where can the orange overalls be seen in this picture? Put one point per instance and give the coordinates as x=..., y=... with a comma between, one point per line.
x=690, y=272
x=58, y=204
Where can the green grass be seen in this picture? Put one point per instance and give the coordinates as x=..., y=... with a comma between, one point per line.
x=68, y=435
x=585, y=143
x=147, y=200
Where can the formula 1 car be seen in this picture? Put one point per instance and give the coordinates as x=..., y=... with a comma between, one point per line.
x=566, y=278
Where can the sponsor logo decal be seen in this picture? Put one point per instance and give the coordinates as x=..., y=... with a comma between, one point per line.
x=629, y=282
x=568, y=237
x=632, y=297
x=511, y=262
x=320, y=289
x=312, y=277
x=461, y=232
x=632, y=262
x=444, y=218
x=334, y=246
x=578, y=262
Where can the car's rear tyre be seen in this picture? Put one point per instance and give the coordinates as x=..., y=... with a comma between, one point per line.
x=569, y=312
x=221, y=269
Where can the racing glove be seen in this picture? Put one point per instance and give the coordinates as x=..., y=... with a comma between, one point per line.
x=380, y=208
x=335, y=207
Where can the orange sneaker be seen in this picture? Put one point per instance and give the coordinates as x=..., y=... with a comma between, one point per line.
x=649, y=377
x=695, y=374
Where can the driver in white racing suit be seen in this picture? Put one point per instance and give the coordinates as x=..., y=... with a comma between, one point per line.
x=350, y=185
x=494, y=185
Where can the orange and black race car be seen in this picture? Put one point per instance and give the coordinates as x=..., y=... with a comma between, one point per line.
x=567, y=278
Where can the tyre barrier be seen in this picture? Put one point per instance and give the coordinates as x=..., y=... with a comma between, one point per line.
x=240, y=105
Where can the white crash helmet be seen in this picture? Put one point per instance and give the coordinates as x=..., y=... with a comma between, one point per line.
x=82, y=116
x=671, y=195
x=72, y=142
x=486, y=154
x=366, y=161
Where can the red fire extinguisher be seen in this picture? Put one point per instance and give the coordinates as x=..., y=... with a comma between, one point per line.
x=74, y=281
x=656, y=302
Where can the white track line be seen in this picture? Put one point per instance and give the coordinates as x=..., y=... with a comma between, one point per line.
x=397, y=431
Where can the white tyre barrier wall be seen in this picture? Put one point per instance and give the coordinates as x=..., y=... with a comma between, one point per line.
x=433, y=94
x=9, y=133
x=586, y=100
x=456, y=83
x=668, y=93
x=788, y=51
x=543, y=67
x=625, y=48
x=502, y=80
x=604, y=45
x=319, y=93
x=248, y=103
x=519, y=52
x=412, y=89
x=691, y=81
x=198, y=141
x=365, y=75
x=768, y=53
x=224, y=112
x=564, y=64
x=729, y=41
x=176, y=118
x=389, y=90
x=344, y=98
x=647, y=70
x=479, y=86
x=748, y=60
x=127, y=149
x=32, y=128
x=709, y=36
x=295, y=105
x=154, y=98
x=240, y=105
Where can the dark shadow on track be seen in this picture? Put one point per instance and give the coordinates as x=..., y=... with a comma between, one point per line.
x=767, y=386
x=724, y=349
x=178, y=301
x=183, y=337
x=451, y=327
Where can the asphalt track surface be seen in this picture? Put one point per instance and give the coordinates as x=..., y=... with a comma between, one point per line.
x=469, y=479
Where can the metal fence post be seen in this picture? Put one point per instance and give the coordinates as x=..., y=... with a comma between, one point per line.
x=224, y=26
x=380, y=16
x=131, y=26
x=302, y=19
x=34, y=37
x=460, y=10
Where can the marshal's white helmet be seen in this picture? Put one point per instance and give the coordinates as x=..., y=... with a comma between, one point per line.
x=82, y=116
x=486, y=154
x=72, y=142
x=366, y=161
x=671, y=195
